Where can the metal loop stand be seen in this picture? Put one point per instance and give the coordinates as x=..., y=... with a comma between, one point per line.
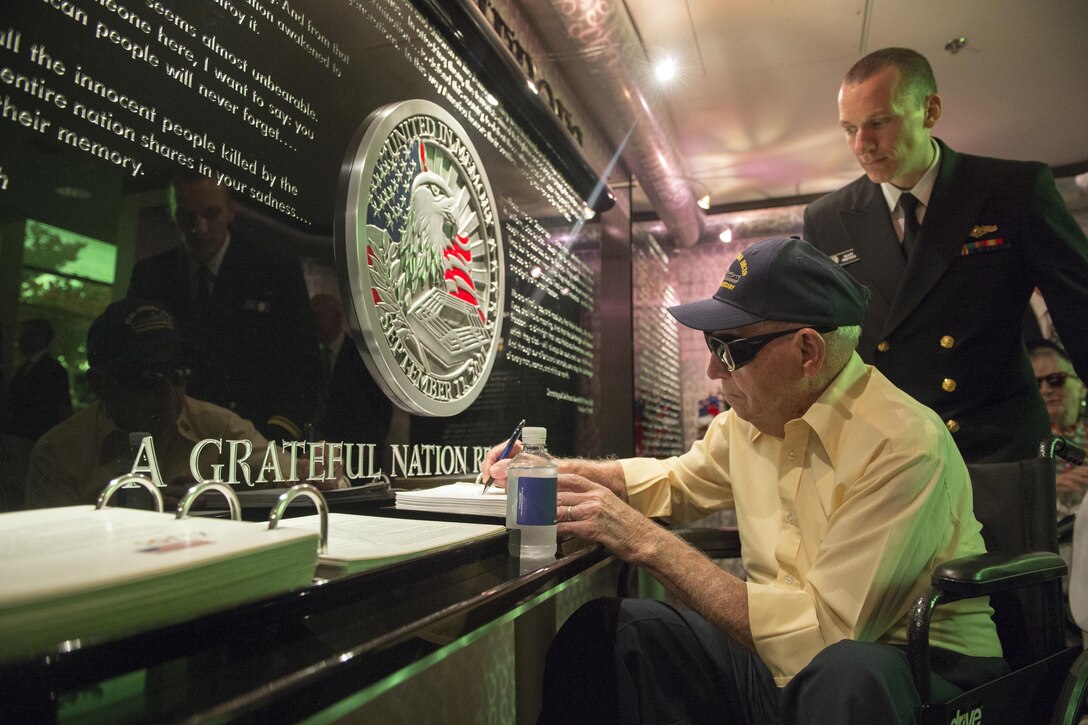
x=121, y=481
x=303, y=489
x=199, y=489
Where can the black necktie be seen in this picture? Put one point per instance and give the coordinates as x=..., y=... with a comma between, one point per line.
x=909, y=204
x=203, y=283
x=327, y=362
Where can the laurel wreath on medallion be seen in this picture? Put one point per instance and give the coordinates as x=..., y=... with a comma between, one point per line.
x=391, y=314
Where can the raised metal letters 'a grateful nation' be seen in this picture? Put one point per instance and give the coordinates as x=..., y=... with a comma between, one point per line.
x=419, y=255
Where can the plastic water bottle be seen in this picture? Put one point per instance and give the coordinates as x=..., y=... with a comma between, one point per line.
x=531, y=497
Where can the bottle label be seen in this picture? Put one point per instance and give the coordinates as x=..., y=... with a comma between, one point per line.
x=536, y=500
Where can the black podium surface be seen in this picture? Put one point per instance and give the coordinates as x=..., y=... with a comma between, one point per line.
x=286, y=658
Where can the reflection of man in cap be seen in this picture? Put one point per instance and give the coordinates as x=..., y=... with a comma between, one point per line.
x=244, y=307
x=138, y=372
x=846, y=491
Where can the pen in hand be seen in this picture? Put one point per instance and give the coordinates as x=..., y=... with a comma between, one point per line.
x=505, y=452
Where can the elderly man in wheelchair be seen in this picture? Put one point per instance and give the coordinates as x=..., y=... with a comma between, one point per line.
x=869, y=586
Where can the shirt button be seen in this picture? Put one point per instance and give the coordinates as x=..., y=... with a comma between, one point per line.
x=789, y=579
x=948, y=385
x=791, y=456
x=952, y=425
x=947, y=342
x=882, y=346
x=789, y=518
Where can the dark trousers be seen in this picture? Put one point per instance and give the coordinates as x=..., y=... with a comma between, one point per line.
x=644, y=661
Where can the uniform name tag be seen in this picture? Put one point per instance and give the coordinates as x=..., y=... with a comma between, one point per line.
x=845, y=257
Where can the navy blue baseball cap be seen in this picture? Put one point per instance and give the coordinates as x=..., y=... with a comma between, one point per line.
x=782, y=278
x=134, y=334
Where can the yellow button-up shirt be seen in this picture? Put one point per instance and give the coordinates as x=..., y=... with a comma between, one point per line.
x=841, y=521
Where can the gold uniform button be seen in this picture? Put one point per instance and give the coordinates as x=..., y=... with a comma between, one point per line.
x=882, y=346
x=952, y=425
x=948, y=385
x=947, y=341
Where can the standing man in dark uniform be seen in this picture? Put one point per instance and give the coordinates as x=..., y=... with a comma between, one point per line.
x=951, y=247
x=38, y=396
x=244, y=309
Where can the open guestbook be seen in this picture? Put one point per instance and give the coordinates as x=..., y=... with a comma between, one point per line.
x=79, y=575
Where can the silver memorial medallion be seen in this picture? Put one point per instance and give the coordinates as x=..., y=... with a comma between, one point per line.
x=419, y=256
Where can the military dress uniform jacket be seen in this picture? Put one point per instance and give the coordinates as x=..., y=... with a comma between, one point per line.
x=253, y=345
x=945, y=325
x=38, y=397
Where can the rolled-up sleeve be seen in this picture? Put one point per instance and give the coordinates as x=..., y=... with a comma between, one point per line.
x=687, y=487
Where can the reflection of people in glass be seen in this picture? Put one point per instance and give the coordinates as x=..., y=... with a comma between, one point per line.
x=353, y=408
x=138, y=371
x=245, y=309
x=38, y=396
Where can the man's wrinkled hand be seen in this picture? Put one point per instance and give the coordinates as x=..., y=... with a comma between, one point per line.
x=593, y=512
x=492, y=466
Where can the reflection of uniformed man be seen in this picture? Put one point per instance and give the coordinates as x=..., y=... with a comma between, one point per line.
x=38, y=396
x=353, y=408
x=951, y=247
x=244, y=308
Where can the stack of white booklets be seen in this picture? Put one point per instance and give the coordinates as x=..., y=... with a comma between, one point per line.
x=358, y=543
x=76, y=576
x=459, y=498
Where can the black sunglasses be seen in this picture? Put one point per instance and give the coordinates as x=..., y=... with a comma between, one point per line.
x=1054, y=380
x=737, y=352
x=144, y=380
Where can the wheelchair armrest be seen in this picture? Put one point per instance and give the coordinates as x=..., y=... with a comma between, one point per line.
x=982, y=574
x=717, y=543
x=971, y=576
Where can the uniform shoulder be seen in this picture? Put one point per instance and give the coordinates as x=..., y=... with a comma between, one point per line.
x=261, y=256
x=845, y=196
x=167, y=258
x=1000, y=171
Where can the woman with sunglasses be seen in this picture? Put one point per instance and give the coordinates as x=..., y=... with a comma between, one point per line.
x=1063, y=392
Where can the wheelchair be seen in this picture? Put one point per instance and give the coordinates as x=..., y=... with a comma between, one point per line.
x=1021, y=573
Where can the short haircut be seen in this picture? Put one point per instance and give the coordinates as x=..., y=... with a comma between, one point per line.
x=916, y=80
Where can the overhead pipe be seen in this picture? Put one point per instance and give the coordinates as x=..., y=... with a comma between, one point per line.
x=600, y=33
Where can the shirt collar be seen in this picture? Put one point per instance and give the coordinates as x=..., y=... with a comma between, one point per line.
x=212, y=264
x=922, y=190
x=827, y=417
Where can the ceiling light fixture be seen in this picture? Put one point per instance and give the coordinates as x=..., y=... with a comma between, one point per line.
x=532, y=87
x=699, y=187
x=666, y=69
x=727, y=235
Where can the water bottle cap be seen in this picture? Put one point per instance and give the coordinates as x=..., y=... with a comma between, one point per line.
x=534, y=436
